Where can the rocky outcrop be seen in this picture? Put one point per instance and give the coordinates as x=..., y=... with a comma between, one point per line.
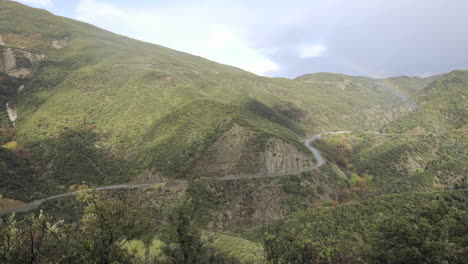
x=8, y=60
x=226, y=155
x=237, y=152
x=11, y=111
x=281, y=157
x=35, y=42
x=59, y=43
x=150, y=176
x=18, y=63
x=22, y=53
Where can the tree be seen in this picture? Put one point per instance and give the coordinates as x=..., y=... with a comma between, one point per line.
x=35, y=239
x=107, y=224
x=183, y=234
x=283, y=247
x=429, y=235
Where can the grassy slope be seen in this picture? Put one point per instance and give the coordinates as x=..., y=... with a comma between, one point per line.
x=442, y=105
x=118, y=98
x=406, y=163
x=358, y=103
x=178, y=140
x=402, y=164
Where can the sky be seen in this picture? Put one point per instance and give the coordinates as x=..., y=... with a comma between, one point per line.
x=277, y=38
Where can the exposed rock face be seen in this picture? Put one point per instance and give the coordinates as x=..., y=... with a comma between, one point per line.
x=29, y=42
x=9, y=60
x=235, y=153
x=24, y=52
x=32, y=42
x=59, y=43
x=18, y=63
x=149, y=176
x=225, y=156
x=12, y=115
x=280, y=157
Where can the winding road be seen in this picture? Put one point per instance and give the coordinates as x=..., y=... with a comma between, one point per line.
x=318, y=157
x=36, y=203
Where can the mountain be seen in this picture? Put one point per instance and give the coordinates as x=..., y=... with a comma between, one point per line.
x=442, y=106
x=90, y=105
x=425, y=148
x=223, y=151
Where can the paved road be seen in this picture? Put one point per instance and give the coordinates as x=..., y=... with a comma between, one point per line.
x=375, y=133
x=314, y=151
x=36, y=203
x=318, y=157
x=320, y=160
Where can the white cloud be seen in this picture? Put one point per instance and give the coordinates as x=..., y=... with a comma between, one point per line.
x=188, y=28
x=310, y=51
x=90, y=10
x=264, y=67
x=37, y=2
x=221, y=38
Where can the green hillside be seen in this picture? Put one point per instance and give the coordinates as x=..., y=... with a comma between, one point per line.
x=405, y=228
x=435, y=151
x=116, y=102
x=412, y=163
x=223, y=150
x=442, y=106
x=424, y=149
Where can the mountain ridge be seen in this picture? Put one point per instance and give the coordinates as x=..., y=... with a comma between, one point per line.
x=103, y=97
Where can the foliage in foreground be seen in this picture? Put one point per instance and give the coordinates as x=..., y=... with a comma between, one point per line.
x=105, y=232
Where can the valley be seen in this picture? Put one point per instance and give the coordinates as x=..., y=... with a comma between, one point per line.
x=115, y=150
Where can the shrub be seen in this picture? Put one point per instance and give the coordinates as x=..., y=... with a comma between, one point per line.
x=354, y=179
x=12, y=145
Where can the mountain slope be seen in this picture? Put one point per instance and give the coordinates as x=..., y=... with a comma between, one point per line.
x=110, y=100
x=442, y=105
x=432, y=150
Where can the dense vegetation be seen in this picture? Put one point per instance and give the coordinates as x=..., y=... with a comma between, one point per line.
x=404, y=228
x=121, y=95
x=100, y=108
x=18, y=178
x=442, y=106
x=113, y=229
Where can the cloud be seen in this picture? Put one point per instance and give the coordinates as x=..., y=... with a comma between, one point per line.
x=310, y=51
x=272, y=37
x=262, y=67
x=188, y=27
x=92, y=10
x=221, y=38
x=364, y=37
x=46, y=3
